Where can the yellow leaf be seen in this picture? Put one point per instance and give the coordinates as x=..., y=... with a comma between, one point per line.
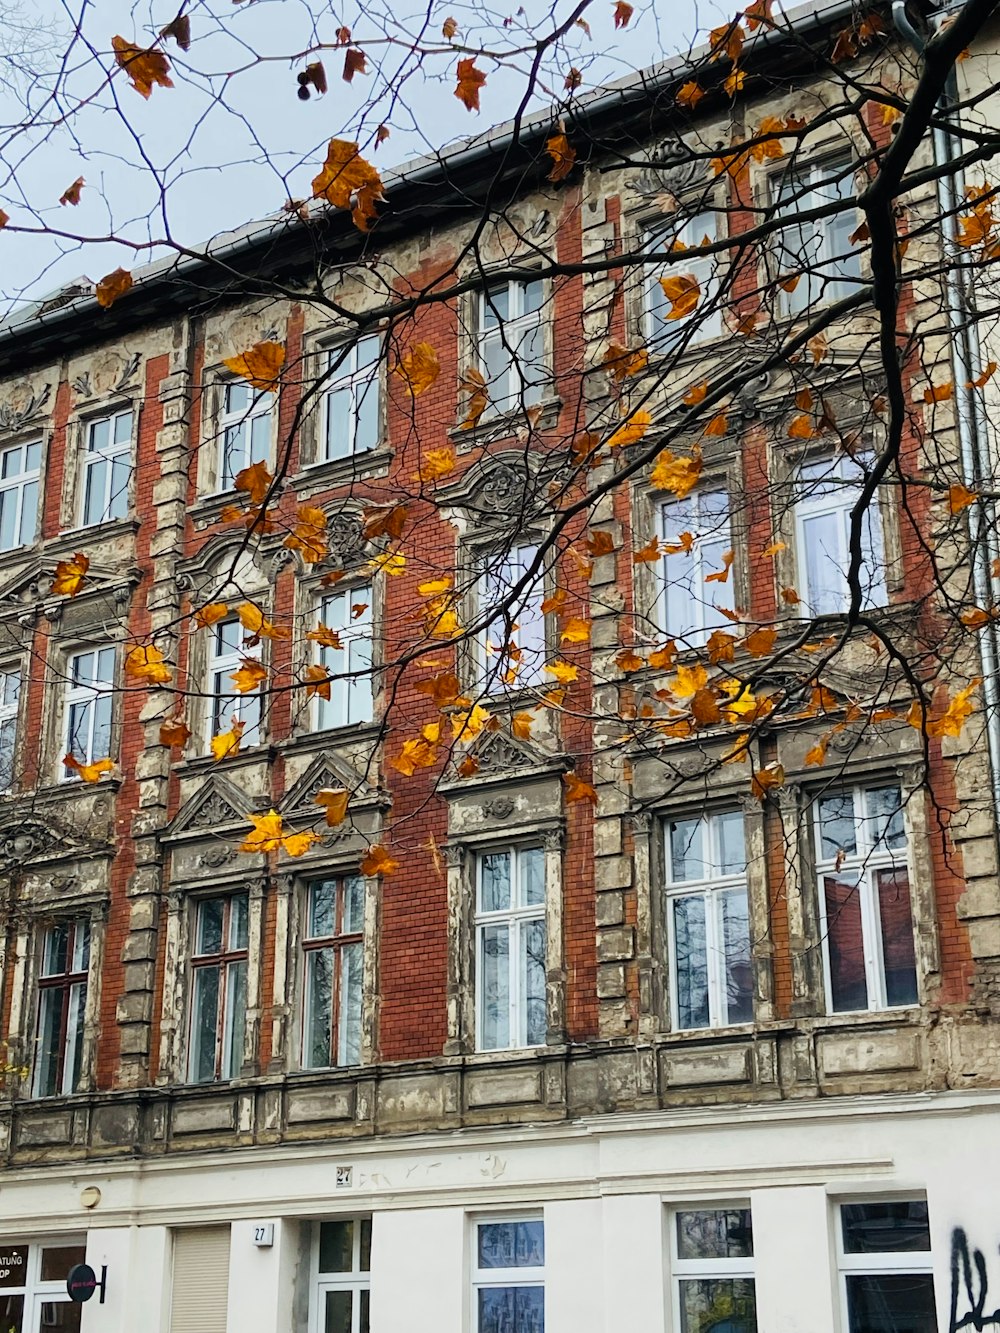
x=145, y=662
x=696, y=394
x=296, y=844
x=816, y=756
x=727, y=40
x=764, y=779
x=473, y=386
x=252, y=619
x=689, y=94
x=210, y=614
x=520, y=725
x=621, y=363
x=631, y=431
x=575, y=630
x=770, y=551
x=564, y=672
x=143, y=67
x=317, y=680
x=629, y=660
x=688, y=681
x=174, y=732
x=683, y=292
x=558, y=599
x=88, y=772
x=249, y=676
x=328, y=638
x=420, y=752
x=740, y=751
x=468, y=723
x=939, y=393
x=268, y=835
x=563, y=156
x=227, y=742
x=308, y=536
x=623, y=12
x=377, y=861
x=418, y=368
x=578, y=790
x=734, y=82
x=743, y=702
x=960, y=497
x=69, y=575
x=389, y=562
x=334, y=802
x=436, y=463
x=260, y=366
x=348, y=181
x=470, y=80
x=662, y=659
x=678, y=475
x=951, y=721
x=111, y=287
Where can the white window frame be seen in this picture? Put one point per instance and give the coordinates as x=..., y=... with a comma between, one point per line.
x=711, y=890
x=109, y=455
x=262, y=403
x=356, y=1281
x=227, y=1054
x=707, y=1270
x=866, y=861
x=21, y=483
x=832, y=171
x=519, y=1276
x=844, y=483
x=10, y=702
x=352, y=698
x=78, y=967
x=336, y=943
x=37, y=1293
x=707, y=614
x=93, y=692
x=704, y=323
x=221, y=665
x=341, y=364
x=885, y=1263
x=508, y=334
x=490, y=657
x=515, y=917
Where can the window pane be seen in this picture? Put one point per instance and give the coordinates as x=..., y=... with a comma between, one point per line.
x=319, y=1008
x=892, y=1303
x=11, y=1313
x=57, y=1260
x=61, y=1315
x=494, y=974
x=96, y=484
x=121, y=475
x=532, y=866
x=239, y=907
x=732, y=845
x=50, y=1019
x=886, y=1227
x=825, y=561
x=354, y=904
x=738, y=971
x=351, y=969
x=204, y=1024
x=236, y=1015
x=336, y=1247
x=55, y=951
x=885, y=809
x=73, y=1053
x=848, y=986
x=715, y=1233
x=338, y=1312
x=338, y=423
x=511, y=1310
x=690, y=962
x=896, y=923
x=494, y=882
x=718, y=1305
x=687, y=855
x=366, y=1244
x=210, y=914
x=367, y=426
x=533, y=984
x=322, y=909
x=512, y=1244
x=836, y=823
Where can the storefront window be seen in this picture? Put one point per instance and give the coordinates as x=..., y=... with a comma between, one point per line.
x=33, y=1297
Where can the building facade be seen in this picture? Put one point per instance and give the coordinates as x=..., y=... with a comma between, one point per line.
x=689, y=1056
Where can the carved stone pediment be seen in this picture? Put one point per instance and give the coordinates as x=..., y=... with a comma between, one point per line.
x=22, y=404
x=504, y=489
x=672, y=170
x=326, y=770
x=498, y=755
x=31, y=589
x=112, y=372
x=43, y=837
x=218, y=804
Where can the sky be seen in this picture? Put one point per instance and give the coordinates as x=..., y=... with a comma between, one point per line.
x=231, y=140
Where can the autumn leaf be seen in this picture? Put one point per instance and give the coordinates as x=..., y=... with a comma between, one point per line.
x=631, y=431
x=448, y=29
x=573, y=79
x=689, y=94
x=354, y=63
x=575, y=630
x=174, y=733
x=721, y=647
x=960, y=497
x=949, y=722
x=563, y=156
x=717, y=427
x=144, y=68
x=470, y=80
x=683, y=292
x=688, y=681
x=816, y=756
x=145, y=662
x=71, y=195
x=696, y=394
x=327, y=638
x=88, y=772
x=435, y=464
x=227, y=742
x=444, y=688
x=766, y=779
x=564, y=672
x=939, y=393
x=758, y=14
x=727, y=40
x=818, y=348
x=210, y=614
x=4, y=219
x=334, y=802
x=734, y=82
x=678, y=475
x=377, y=861
x=600, y=543
x=268, y=835
x=179, y=29
x=469, y=722
x=317, y=681
x=974, y=617
x=520, y=726
x=578, y=790
x=110, y=288
x=760, y=642
x=722, y=575
x=790, y=597
x=348, y=181
x=982, y=380
x=705, y=708
x=473, y=388
x=418, y=368
x=556, y=602
x=662, y=659
x=308, y=536
x=801, y=428
x=622, y=362
x=684, y=543
x=648, y=553
x=629, y=660
x=249, y=675
x=253, y=620
x=260, y=365
x=420, y=752
x=387, y=521
x=69, y=575
x=623, y=12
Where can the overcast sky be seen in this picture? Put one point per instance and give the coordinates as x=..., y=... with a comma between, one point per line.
x=231, y=141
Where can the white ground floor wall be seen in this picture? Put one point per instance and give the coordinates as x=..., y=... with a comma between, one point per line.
x=604, y=1188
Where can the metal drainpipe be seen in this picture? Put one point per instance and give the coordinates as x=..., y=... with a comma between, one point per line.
x=970, y=409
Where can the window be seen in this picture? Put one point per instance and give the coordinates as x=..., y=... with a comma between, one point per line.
x=245, y=429
x=351, y=401
x=19, y=470
x=511, y=649
x=107, y=468
x=664, y=330
x=885, y=1267
x=825, y=493
x=10, y=693
x=348, y=614
x=712, y=1263
x=508, y=1280
x=333, y=946
x=510, y=949
x=708, y=921
x=511, y=343
x=341, y=1264
x=820, y=252
x=88, y=705
x=33, y=1295
x=227, y=655
x=864, y=893
x=62, y=1000
x=218, y=988
x=696, y=537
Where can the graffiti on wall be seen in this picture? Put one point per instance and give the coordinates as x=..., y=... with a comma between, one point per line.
x=969, y=1288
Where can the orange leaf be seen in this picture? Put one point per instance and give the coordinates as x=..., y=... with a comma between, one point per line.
x=558, y=599
x=662, y=659
x=354, y=63
x=174, y=733
x=470, y=80
x=384, y=522
x=69, y=575
x=801, y=428
x=717, y=427
x=734, y=82
x=721, y=575
x=705, y=708
x=418, y=368
x=110, y=288
x=563, y=156
x=327, y=638
x=520, y=725
x=210, y=614
x=648, y=553
x=683, y=292
x=939, y=393
x=317, y=680
x=348, y=181
x=145, y=662
x=980, y=382
x=421, y=752
x=790, y=597
x=4, y=219
x=448, y=29
x=377, y=861
x=71, y=195
x=88, y=772
x=689, y=94
x=436, y=463
x=684, y=542
x=575, y=630
x=629, y=660
x=621, y=363
x=631, y=431
x=727, y=40
x=143, y=67
x=975, y=617
x=600, y=543
x=473, y=386
x=308, y=536
x=578, y=790
x=255, y=480
x=334, y=801
x=677, y=475
x=260, y=365
x=227, y=742
x=721, y=646
x=948, y=723
x=444, y=689
x=249, y=675
x=960, y=497
x=252, y=619
x=623, y=12
x=760, y=642
x=696, y=394
x=573, y=79
x=818, y=347
x=758, y=14
x=764, y=779
x=817, y=755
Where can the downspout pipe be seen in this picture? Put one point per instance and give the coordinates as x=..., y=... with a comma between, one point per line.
x=970, y=410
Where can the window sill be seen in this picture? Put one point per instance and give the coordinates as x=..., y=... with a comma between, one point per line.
x=505, y=425
x=70, y=538
x=359, y=733
x=315, y=477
